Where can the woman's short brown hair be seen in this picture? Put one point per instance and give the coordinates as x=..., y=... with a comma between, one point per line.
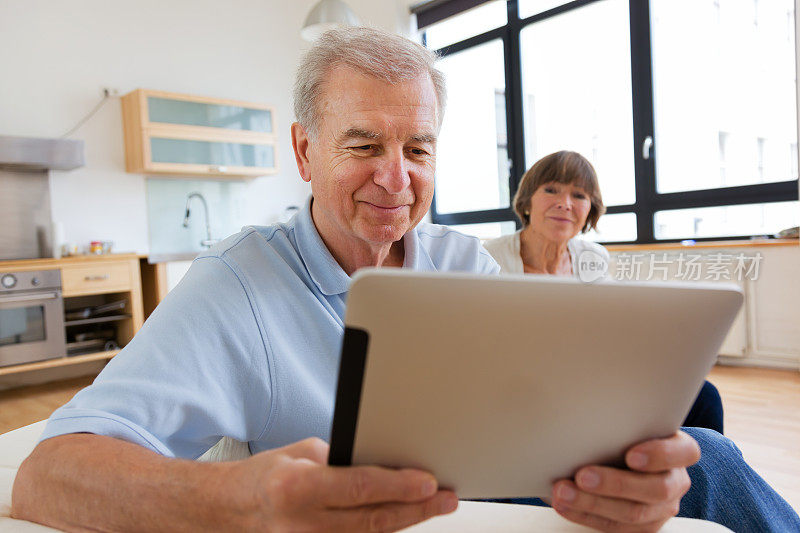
x=561, y=167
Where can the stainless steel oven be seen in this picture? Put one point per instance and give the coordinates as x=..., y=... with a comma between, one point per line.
x=31, y=317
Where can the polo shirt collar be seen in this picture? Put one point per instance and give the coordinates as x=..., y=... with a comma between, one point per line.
x=324, y=270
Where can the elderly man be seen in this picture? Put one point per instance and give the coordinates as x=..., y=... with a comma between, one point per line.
x=247, y=346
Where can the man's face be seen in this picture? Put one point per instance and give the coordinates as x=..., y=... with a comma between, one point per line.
x=372, y=162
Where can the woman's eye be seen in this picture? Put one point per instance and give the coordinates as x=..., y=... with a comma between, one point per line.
x=550, y=190
x=579, y=195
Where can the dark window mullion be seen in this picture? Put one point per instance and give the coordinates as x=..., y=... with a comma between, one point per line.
x=558, y=10
x=460, y=46
x=476, y=217
x=515, y=118
x=783, y=191
x=617, y=209
x=643, y=124
x=438, y=10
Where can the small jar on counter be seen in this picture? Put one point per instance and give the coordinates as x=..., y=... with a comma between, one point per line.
x=96, y=247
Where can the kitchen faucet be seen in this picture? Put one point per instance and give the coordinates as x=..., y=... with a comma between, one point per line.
x=208, y=241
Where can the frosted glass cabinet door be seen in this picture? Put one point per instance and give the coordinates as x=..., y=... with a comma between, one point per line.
x=219, y=154
x=230, y=117
x=188, y=135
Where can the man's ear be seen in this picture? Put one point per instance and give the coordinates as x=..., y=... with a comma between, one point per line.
x=302, y=146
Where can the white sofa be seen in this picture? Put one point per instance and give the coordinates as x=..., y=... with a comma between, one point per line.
x=15, y=446
x=471, y=517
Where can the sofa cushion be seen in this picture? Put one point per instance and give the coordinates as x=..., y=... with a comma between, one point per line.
x=18, y=444
x=15, y=446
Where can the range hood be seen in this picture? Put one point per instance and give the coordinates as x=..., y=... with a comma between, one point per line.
x=31, y=154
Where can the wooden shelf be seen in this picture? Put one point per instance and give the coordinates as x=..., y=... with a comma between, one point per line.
x=702, y=244
x=96, y=320
x=61, y=361
x=73, y=260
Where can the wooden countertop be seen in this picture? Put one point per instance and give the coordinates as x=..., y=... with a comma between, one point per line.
x=703, y=244
x=49, y=262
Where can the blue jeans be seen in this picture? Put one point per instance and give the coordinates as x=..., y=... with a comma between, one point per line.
x=726, y=490
x=706, y=411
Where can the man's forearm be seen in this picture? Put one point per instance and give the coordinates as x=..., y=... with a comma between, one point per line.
x=83, y=481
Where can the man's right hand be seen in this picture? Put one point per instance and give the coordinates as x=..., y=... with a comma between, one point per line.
x=81, y=482
x=295, y=490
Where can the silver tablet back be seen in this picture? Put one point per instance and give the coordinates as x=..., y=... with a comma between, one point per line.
x=501, y=385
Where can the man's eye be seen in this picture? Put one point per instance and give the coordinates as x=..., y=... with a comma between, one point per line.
x=418, y=151
x=363, y=148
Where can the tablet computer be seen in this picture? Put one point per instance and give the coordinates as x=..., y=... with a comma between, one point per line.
x=501, y=385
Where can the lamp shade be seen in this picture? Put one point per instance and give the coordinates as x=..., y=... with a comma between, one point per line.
x=326, y=15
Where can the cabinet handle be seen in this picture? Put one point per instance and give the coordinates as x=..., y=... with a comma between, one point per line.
x=96, y=278
x=29, y=297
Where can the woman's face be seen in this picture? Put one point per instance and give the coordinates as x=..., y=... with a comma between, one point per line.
x=559, y=210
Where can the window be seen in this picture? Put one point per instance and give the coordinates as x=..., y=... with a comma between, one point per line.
x=472, y=161
x=726, y=221
x=614, y=228
x=723, y=158
x=486, y=230
x=714, y=77
x=577, y=92
x=484, y=17
x=760, y=142
x=692, y=132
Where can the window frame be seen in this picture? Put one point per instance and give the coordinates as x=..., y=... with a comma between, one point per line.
x=648, y=199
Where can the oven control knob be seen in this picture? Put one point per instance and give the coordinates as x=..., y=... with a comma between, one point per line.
x=8, y=281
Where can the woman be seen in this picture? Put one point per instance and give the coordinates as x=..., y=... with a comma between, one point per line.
x=558, y=198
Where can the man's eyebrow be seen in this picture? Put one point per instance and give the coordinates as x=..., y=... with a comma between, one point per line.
x=424, y=138
x=358, y=133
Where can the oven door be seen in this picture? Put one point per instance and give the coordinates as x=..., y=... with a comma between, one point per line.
x=31, y=327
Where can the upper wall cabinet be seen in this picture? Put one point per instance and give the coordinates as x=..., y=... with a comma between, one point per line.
x=180, y=134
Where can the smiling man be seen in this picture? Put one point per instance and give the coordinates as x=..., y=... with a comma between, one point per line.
x=370, y=163
x=247, y=347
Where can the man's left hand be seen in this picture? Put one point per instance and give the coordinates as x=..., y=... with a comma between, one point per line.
x=640, y=499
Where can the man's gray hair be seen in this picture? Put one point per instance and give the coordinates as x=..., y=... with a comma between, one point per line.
x=370, y=51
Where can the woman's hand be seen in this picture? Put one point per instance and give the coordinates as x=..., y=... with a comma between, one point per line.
x=640, y=499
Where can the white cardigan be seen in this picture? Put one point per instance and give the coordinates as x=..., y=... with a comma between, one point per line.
x=506, y=251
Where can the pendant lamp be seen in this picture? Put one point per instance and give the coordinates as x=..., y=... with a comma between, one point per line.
x=326, y=15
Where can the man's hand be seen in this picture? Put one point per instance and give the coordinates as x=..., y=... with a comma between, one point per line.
x=643, y=499
x=295, y=490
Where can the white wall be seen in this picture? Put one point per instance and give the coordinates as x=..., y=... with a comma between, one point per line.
x=55, y=56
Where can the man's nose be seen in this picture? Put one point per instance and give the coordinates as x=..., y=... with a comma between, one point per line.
x=392, y=173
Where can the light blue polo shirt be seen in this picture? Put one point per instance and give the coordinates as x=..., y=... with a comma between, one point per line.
x=245, y=346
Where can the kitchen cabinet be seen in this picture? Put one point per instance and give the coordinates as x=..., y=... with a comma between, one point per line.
x=180, y=134
x=88, y=281
x=158, y=278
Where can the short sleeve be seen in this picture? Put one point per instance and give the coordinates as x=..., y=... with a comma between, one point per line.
x=195, y=372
